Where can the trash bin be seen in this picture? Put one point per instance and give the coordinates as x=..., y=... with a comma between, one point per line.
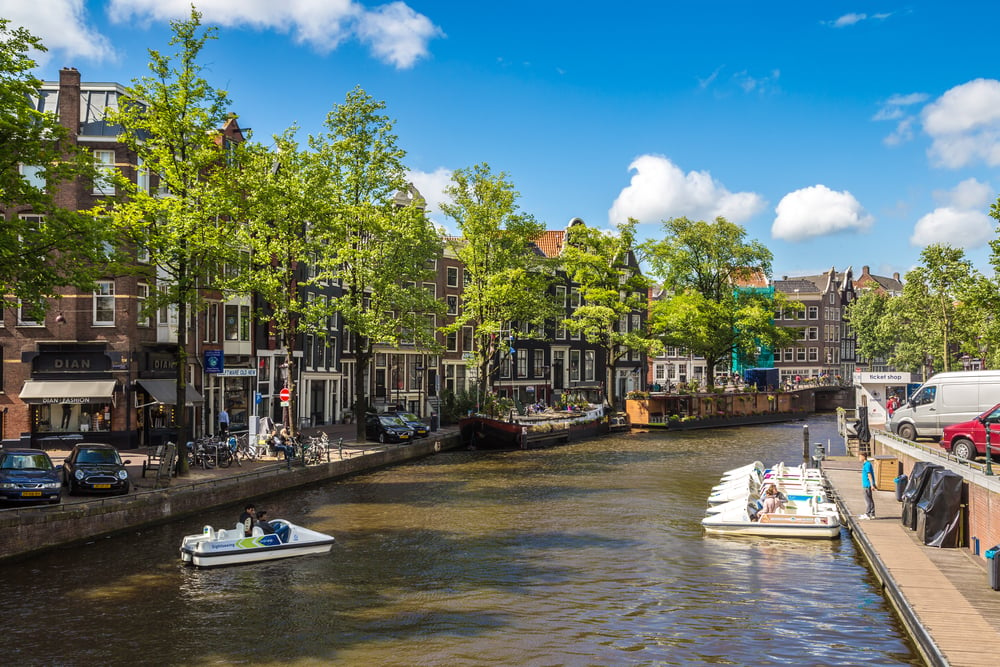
x=900, y=487
x=434, y=421
x=993, y=566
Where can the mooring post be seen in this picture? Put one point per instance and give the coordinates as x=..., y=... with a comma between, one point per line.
x=805, y=445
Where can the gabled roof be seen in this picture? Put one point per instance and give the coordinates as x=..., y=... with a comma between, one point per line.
x=551, y=242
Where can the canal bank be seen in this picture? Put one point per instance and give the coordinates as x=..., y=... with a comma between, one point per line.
x=941, y=595
x=28, y=530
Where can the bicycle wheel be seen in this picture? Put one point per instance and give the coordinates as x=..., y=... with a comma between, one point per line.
x=225, y=458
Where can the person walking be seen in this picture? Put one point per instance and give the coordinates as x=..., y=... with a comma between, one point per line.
x=867, y=485
x=223, y=422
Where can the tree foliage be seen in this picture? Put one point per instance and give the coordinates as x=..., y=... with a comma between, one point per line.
x=702, y=265
x=611, y=288
x=66, y=247
x=505, y=281
x=373, y=234
x=172, y=120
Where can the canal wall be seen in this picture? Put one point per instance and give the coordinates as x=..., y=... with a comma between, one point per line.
x=28, y=530
x=981, y=492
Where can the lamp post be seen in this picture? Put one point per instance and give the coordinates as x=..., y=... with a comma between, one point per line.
x=419, y=368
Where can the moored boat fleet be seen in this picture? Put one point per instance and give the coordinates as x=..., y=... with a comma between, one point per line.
x=798, y=505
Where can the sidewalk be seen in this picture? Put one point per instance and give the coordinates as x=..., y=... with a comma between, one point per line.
x=137, y=457
x=942, y=595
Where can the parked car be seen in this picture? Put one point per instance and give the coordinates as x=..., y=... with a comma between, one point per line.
x=28, y=475
x=387, y=428
x=95, y=467
x=420, y=429
x=945, y=399
x=967, y=440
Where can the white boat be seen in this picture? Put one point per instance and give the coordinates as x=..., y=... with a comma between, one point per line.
x=212, y=548
x=803, y=522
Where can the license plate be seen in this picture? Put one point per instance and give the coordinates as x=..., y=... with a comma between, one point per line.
x=405, y=437
x=31, y=494
x=102, y=486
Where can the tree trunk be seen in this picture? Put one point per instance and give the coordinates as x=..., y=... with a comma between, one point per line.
x=180, y=406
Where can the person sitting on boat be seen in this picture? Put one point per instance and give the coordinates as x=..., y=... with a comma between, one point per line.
x=248, y=519
x=264, y=524
x=772, y=501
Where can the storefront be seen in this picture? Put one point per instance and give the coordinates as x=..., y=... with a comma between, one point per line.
x=72, y=396
x=156, y=402
x=875, y=390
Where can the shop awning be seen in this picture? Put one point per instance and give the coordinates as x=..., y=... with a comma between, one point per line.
x=67, y=391
x=165, y=391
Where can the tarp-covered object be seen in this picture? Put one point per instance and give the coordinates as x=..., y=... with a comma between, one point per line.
x=939, y=512
x=919, y=477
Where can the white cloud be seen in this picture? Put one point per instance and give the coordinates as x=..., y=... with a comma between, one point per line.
x=432, y=185
x=956, y=227
x=893, y=109
x=818, y=211
x=849, y=19
x=660, y=190
x=853, y=19
x=964, y=125
x=961, y=221
x=395, y=33
x=61, y=25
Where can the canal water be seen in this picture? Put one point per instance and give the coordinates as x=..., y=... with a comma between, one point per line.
x=584, y=554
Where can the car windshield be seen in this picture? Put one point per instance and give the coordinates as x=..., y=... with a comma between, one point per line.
x=97, y=456
x=392, y=421
x=27, y=462
x=409, y=416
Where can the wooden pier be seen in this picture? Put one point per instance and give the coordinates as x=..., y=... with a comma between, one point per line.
x=942, y=596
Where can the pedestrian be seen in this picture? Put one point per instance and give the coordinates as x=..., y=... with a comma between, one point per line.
x=223, y=422
x=248, y=519
x=867, y=485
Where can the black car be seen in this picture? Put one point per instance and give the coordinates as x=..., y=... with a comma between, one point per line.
x=95, y=467
x=28, y=475
x=386, y=428
x=420, y=429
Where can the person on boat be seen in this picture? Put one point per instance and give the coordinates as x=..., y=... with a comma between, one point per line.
x=772, y=501
x=248, y=519
x=867, y=484
x=264, y=524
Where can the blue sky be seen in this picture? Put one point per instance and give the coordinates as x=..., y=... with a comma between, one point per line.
x=837, y=133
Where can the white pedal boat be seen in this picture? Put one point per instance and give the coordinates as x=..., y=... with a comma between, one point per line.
x=807, y=520
x=212, y=548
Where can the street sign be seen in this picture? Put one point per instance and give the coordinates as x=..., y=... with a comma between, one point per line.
x=285, y=394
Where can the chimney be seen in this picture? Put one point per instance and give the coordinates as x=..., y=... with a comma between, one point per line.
x=69, y=101
x=895, y=276
x=864, y=270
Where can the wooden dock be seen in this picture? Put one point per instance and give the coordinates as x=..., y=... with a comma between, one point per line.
x=942, y=596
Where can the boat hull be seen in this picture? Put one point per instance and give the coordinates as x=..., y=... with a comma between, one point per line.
x=793, y=526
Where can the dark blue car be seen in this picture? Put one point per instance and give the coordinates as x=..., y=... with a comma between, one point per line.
x=386, y=428
x=420, y=429
x=28, y=475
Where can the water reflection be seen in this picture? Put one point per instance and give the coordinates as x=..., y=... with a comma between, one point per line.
x=584, y=554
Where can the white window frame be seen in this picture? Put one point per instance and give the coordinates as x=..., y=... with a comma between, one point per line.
x=104, y=163
x=452, y=276
x=104, y=294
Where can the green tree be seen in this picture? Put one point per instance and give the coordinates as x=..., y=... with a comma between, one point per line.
x=937, y=315
x=506, y=281
x=872, y=322
x=373, y=238
x=612, y=288
x=276, y=202
x=54, y=247
x=701, y=265
x=172, y=120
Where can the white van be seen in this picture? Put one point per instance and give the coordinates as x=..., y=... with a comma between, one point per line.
x=946, y=399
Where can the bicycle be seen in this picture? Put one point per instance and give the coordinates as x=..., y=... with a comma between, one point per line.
x=316, y=449
x=246, y=450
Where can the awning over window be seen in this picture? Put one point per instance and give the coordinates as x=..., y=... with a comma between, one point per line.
x=67, y=391
x=165, y=391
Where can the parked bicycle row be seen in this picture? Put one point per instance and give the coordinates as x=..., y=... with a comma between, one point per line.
x=214, y=451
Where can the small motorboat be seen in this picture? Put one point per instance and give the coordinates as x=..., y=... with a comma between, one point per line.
x=212, y=548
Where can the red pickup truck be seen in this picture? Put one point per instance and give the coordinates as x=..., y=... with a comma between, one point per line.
x=968, y=439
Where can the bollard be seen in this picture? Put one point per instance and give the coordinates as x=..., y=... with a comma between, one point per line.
x=819, y=453
x=805, y=445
